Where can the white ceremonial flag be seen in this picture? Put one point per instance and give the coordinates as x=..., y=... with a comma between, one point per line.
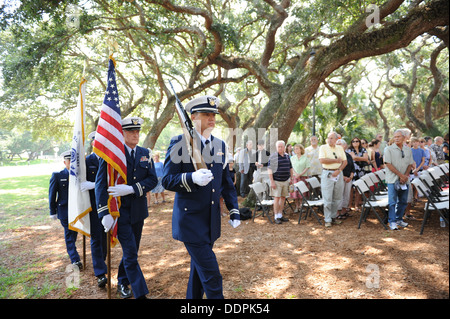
x=79, y=202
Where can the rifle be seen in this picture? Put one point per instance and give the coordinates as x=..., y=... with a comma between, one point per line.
x=188, y=131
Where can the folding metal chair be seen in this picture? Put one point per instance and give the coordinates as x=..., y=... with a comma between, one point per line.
x=428, y=181
x=444, y=169
x=370, y=205
x=315, y=188
x=266, y=204
x=369, y=182
x=441, y=207
x=438, y=176
x=377, y=186
x=308, y=203
x=381, y=177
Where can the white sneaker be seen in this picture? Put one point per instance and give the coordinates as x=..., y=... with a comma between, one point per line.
x=402, y=223
x=393, y=226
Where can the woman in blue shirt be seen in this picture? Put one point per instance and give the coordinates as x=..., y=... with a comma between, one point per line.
x=159, y=189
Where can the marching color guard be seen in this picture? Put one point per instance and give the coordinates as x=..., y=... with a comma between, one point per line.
x=196, y=219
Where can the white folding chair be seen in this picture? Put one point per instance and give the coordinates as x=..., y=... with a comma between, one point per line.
x=442, y=207
x=377, y=185
x=381, y=177
x=370, y=205
x=266, y=204
x=309, y=204
x=315, y=188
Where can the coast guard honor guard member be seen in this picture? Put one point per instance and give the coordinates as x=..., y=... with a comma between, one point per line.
x=98, y=236
x=141, y=178
x=58, y=198
x=196, y=219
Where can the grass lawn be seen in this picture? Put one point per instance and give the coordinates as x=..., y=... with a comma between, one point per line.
x=23, y=201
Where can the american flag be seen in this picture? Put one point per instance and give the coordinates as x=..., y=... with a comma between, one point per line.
x=109, y=143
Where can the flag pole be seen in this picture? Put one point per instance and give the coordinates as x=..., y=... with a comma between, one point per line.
x=108, y=263
x=84, y=252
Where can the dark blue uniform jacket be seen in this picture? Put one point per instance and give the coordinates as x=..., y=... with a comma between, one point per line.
x=58, y=194
x=141, y=176
x=196, y=215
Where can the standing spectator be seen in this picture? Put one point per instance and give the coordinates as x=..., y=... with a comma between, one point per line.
x=159, y=189
x=262, y=160
x=399, y=161
x=418, y=156
x=360, y=157
x=300, y=164
x=237, y=177
x=348, y=171
x=289, y=150
x=312, y=152
x=437, y=148
x=370, y=156
x=375, y=145
x=428, y=142
x=383, y=144
x=445, y=147
x=333, y=161
x=427, y=153
x=280, y=172
x=246, y=167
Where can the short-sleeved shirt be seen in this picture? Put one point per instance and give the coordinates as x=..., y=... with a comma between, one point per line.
x=299, y=164
x=280, y=166
x=417, y=155
x=327, y=151
x=399, y=158
x=313, y=156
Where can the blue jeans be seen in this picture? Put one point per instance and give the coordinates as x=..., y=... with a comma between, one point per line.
x=397, y=203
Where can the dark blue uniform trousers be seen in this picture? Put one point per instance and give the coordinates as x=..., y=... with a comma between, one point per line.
x=205, y=276
x=130, y=272
x=70, y=237
x=98, y=245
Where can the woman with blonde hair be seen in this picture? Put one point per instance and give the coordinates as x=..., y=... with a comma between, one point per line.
x=300, y=164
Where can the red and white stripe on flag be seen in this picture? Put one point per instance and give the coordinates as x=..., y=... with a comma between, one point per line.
x=109, y=143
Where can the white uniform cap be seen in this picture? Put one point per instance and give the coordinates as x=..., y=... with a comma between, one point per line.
x=91, y=136
x=132, y=123
x=203, y=104
x=66, y=155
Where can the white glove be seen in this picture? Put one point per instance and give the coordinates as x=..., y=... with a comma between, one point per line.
x=202, y=177
x=120, y=190
x=53, y=217
x=108, y=222
x=234, y=223
x=86, y=186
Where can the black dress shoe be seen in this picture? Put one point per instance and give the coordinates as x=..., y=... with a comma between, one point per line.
x=284, y=219
x=124, y=291
x=79, y=264
x=278, y=221
x=101, y=281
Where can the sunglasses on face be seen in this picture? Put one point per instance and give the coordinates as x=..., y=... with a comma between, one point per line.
x=355, y=141
x=403, y=154
x=335, y=156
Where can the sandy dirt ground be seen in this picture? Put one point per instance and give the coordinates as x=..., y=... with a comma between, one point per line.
x=260, y=260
